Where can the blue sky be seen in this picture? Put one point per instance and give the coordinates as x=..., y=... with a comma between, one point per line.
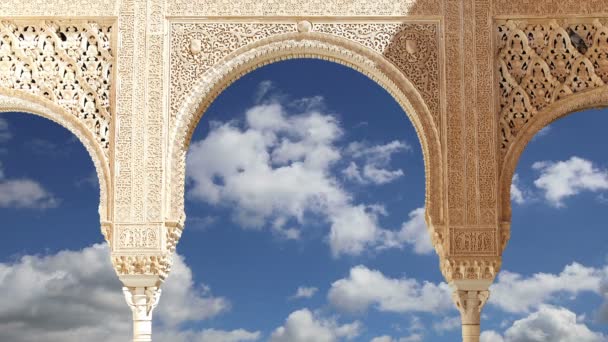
x=304, y=200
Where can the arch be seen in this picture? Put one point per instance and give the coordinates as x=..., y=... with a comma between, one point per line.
x=20, y=101
x=575, y=103
x=305, y=45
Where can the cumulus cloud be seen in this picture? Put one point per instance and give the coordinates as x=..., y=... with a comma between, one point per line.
x=386, y=338
x=517, y=193
x=304, y=326
x=21, y=193
x=25, y=193
x=305, y=292
x=208, y=335
x=447, y=324
x=375, y=160
x=5, y=133
x=365, y=288
x=413, y=232
x=64, y=296
x=562, y=179
x=518, y=294
x=274, y=168
x=549, y=323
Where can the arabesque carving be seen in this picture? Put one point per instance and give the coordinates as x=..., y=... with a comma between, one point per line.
x=470, y=268
x=68, y=63
x=540, y=63
x=412, y=47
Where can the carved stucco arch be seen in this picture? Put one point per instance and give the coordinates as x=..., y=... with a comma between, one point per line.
x=307, y=45
x=19, y=101
x=576, y=103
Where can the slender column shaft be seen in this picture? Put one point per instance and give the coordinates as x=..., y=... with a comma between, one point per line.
x=142, y=301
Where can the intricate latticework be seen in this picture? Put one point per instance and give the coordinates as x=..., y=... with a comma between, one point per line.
x=412, y=47
x=68, y=63
x=204, y=8
x=196, y=47
x=541, y=63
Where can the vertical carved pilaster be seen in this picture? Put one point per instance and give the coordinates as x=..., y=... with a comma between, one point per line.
x=142, y=301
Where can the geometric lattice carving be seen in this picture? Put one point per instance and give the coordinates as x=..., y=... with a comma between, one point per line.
x=69, y=63
x=196, y=47
x=540, y=63
x=137, y=237
x=472, y=241
x=412, y=47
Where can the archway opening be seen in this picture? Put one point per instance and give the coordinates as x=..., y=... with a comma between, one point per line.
x=299, y=190
x=55, y=270
x=555, y=266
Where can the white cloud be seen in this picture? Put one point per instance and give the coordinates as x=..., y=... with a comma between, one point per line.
x=274, y=168
x=24, y=193
x=517, y=194
x=447, y=324
x=305, y=292
x=490, y=336
x=364, y=288
x=375, y=159
x=516, y=293
x=386, y=338
x=64, y=296
x=304, y=326
x=21, y=193
x=549, y=323
x=413, y=232
x=5, y=133
x=563, y=179
x=207, y=335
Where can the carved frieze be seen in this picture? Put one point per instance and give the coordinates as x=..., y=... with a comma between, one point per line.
x=470, y=268
x=541, y=62
x=303, y=8
x=143, y=265
x=475, y=241
x=67, y=62
x=137, y=237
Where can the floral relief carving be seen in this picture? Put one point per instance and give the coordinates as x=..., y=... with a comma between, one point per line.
x=140, y=264
x=470, y=268
x=412, y=47
x=68, y=63
x=137, y=237
x=302, y=8
x=540, y=63
x=472, y=241
x=196, y=47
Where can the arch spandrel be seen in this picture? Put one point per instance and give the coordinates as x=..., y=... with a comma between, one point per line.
x=546, y=69
x=304, y=43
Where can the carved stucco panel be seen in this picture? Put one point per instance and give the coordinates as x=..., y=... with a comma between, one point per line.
x=59, y=8
x=412, y=47
x=203, y=8
x=544, y=61
x=130, y=237
x=69, y=63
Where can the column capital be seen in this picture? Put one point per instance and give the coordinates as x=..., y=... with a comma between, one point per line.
x=470, y=303
x=142, y=301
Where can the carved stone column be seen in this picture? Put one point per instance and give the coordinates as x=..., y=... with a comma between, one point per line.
x=142, y=301
x=470, y=297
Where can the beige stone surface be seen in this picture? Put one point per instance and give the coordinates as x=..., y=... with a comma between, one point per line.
x=132, y=78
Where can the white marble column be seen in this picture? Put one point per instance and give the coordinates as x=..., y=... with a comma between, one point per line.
x=470, y=298
x=142, y=301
